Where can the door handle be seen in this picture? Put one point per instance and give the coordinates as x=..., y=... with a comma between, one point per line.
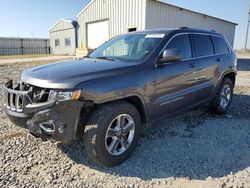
x=219, y=59
x=191, y=65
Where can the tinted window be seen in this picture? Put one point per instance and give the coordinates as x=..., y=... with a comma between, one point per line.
x=203, y=45
x=182, y=43
x=220, y=45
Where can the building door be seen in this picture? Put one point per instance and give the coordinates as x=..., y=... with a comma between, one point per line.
x=97, y=33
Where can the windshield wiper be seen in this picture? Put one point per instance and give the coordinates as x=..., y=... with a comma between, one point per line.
x=107, y=58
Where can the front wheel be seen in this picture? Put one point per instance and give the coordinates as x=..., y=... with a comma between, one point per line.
x=223, y=98
x=112, y=133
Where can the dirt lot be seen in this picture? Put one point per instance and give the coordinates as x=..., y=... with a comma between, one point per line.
x=195, y=149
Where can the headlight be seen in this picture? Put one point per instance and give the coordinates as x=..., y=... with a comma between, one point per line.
x=63, y=96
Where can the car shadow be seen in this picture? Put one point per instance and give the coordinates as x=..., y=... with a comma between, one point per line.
x=243, y=64
x=193, y=145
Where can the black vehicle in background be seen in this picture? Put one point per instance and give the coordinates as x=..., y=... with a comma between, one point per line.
x=132, y=81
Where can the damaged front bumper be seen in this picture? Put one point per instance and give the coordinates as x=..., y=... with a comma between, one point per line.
x=50, y=119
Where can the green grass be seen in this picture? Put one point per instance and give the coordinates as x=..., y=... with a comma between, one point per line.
x=25, y=56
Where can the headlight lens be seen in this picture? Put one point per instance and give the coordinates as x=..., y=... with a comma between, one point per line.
x=63, y=96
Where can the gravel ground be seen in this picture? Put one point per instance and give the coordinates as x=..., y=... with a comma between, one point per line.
x=195, y=149
x=32, y=59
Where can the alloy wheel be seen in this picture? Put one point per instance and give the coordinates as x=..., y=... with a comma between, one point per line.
x=225, y=96
x=120, y=134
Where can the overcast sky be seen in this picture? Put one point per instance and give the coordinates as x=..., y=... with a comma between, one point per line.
x=33, y=18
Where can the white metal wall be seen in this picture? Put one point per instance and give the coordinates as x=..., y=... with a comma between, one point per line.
x=161, y=15
x=62, y=25
x=61, y=31
x=61, y=35
x=121, y=14
x=17, y=46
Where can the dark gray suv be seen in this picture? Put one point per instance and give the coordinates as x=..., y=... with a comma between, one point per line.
x=132, y=81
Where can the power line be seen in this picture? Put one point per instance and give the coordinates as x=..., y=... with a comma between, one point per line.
x=247, y=30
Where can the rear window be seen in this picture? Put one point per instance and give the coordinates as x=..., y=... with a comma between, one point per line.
x=203, y=45
x=220, y=45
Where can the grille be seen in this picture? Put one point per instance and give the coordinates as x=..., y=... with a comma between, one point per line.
x=14, y=101
x=16, y=98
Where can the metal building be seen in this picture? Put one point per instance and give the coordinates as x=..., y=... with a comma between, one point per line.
x=101, y=20
x=63, y=37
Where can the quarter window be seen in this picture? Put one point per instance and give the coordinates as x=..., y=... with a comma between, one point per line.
x=220, y=45
x=182, y=43
x=57, y=43
x=67, y=42
x=203, y=45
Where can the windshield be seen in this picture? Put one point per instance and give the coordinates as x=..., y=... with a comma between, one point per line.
x=128, y=47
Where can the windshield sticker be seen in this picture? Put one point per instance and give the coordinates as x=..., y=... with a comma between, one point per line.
x=155, y=36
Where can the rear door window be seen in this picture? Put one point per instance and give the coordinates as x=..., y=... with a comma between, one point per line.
x=220, y=45
x=182, y=43
x=203, y=45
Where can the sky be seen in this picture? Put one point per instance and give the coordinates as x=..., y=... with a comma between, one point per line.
x=33, y=18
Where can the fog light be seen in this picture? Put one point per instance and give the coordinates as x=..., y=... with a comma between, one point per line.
x=48, y=127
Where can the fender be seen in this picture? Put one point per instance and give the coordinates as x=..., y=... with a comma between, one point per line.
x=221, y=78
x=119, y=87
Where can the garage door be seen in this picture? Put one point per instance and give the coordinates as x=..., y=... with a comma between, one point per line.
x=97, y=33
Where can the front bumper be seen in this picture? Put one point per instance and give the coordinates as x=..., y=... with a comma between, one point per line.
x=55, y=120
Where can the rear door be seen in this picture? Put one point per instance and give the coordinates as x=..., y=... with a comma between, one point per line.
x=221, y=49
x=205, y=66
x=221, y=56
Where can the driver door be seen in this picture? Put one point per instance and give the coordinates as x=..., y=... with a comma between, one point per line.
x=174, y=86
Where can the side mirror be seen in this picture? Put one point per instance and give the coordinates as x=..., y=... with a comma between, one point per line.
x=170, y=55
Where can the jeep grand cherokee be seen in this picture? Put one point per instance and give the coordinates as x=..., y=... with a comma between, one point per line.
x=134, y=80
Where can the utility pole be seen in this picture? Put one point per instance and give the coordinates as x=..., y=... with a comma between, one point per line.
x=247, y=30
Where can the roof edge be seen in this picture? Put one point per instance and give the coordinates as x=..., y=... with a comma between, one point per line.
x=65, y=20
x=85, y=8
x=161, y=1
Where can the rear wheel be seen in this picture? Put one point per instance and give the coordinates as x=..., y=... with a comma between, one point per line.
x=223, y=98
x=112, y=133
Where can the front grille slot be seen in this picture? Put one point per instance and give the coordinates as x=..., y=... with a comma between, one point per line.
x=19, y=103
x=6, y=99
x=12, y=105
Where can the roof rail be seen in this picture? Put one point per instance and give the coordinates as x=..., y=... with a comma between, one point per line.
x=183, y=27
x=213, y=31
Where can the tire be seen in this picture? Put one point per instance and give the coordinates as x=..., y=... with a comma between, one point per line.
x=96, y=140
x=217, y=104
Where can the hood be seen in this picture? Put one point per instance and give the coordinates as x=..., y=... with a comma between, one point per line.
x=66, y=75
